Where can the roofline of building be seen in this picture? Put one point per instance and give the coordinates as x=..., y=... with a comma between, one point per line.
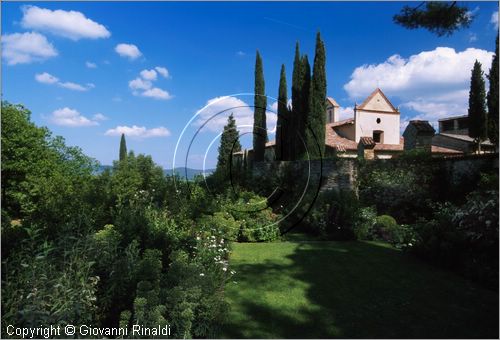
x=452, y=118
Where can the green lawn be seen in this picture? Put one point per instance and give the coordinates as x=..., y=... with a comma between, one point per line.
x=313, y=289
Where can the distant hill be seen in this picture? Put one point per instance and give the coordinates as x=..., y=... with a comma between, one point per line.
x=181, y=171
x=188, y=172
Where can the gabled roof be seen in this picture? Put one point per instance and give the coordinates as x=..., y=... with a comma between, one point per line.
x=332, y=101
x=422, y=126
x=348, y=121
x=367, y=142
x=373, y=94
x=452, y=118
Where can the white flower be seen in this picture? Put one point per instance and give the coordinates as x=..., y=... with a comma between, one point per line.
x=201, y=274
x=224, y=268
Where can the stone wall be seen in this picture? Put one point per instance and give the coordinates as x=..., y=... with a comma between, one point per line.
x=335, y=174
x=465, y=168
x=342, y=173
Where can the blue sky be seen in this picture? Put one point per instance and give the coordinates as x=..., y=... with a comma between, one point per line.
x=77, y=66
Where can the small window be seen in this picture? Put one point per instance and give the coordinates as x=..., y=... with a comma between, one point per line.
x=329, y=116
x=377, y=136
x=378, y=120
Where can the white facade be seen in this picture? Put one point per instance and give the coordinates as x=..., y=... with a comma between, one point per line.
x=332, y=110
x=377, y=118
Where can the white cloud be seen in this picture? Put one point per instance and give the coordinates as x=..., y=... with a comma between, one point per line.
x=163, y=71
x=90, y=64
x=157, y=93
x=69, y=24
x=215, y=113
x=138, y=131
x=433, y=83
x=148, y=74
x=70, y=117
x=72, y=86
x=494, y=19
x=24, y=48
x=99, y=117
x=128, y=50
x=143, y=85
x=46, y=78
x=139, y=84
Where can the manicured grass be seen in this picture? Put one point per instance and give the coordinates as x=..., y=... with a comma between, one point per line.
x=314, y=289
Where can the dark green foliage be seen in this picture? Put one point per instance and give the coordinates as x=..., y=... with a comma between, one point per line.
x=123, y=148
x=42, y=178
x=301, y=83
x=464, y=239
x=259, y=117
x=283, y=124
x=441, y=18
x=492, y=99
x=95, y=249
x=401, y=188
x=295, y=116
x=303, y=111
x=229, y=144
x=315, y=130
x=387, y=229
x=334, y=215
x=478, y=127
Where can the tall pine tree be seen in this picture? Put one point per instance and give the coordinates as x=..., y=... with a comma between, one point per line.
x=282, y=126
x=492, y=100
x=478, y=127
x=229, y=144
x=315, y=131
x=259, y=116
x=123, y=148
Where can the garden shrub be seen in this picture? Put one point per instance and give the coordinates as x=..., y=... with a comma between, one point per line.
x=464, y=239
x=363, y=228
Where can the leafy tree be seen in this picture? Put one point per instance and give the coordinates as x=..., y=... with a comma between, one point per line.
x=283, y=124
x=478, y=126
x=123, y=148
x=315, y=132
x=259, y=117
x=229, y=144
x=43, y=180
x=439, y=17
x=492, y=99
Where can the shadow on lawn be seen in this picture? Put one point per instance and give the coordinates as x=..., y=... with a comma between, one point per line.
x=357, y=290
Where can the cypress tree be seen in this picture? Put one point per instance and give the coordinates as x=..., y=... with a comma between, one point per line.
x=303, y=111
x=123, y=148
x=477, y=108
x=315, y=131
x=229, y=144
x=283, y=117
x=492, y=99
x=293, y=138
x=259, y=116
